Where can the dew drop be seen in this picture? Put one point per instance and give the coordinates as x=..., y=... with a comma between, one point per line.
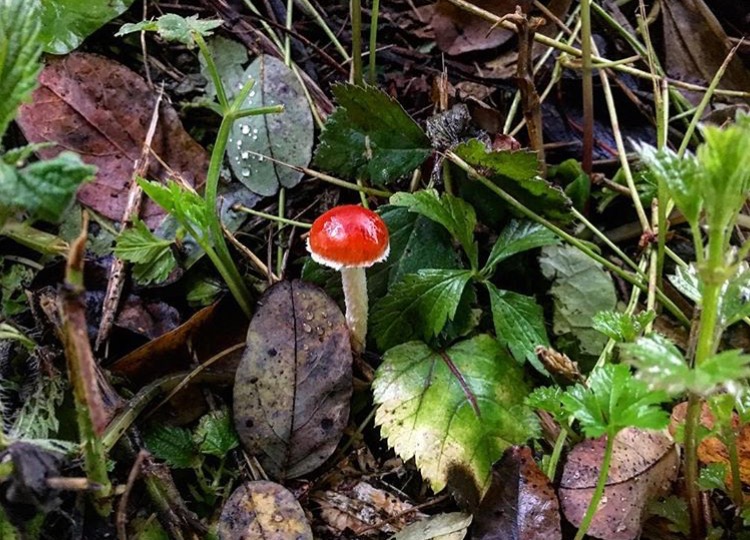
x=261, y=158
x=252, y=92
x=245, y=129
x=245, y=155
x=307, y=328
x=245, y=172
x=255, y=131
x=309, y=316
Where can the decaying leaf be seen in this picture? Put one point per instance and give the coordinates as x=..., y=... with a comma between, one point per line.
x=458, y=31
x=581, y=289
x=520, y=504
x=644, y=465
x=363, y=509
x=294, y=383
x=451, y=526
x=101, y=110
x=263, y=510
x=286, y=137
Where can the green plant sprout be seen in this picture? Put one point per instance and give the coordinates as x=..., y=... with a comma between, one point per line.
x=199, y=215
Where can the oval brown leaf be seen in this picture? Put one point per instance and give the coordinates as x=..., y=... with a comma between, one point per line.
x=294, y=383
x=520, y=503
x=644, y=465
x=263, y=510
x=101, y=110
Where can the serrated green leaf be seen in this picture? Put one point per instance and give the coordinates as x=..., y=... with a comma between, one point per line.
x=519, y=325
x=152, y=257
x=549, y=398
x=66, y=23
x=37, y=418
x=215, y=434
x=173, y=27
x=663, y=367
x=13, y=279
x=453, y=213
x=622, y=327
x=681, y=176
x=416, y=242
x=286, y=137
x=185, y=205
x=19, y=59
x=44, y=189
x=581, y=289
x=454, y=410
x=172, y=444
x=613, y=400
x=685, y=280
x=370, y=136
x=674, y=509
x=418, y=307
x=517, y=174
x=516, y=237
x=712, y=476
x=735, y=299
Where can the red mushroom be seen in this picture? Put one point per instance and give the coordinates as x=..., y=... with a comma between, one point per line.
x=350, y=238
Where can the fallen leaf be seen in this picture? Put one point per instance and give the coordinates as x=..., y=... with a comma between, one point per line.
x=294, y=383
x=263, y=510
x=457, y=31
x=644, y=465
x=101, y=110
x=363, y=509
x=711, y=449
x=286, y=137
x=451, y=526
x=520, y=503
x=696, y=45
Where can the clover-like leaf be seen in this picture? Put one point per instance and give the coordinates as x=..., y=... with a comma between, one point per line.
x=451, y=212
x=370, y=136
x=418, y=307
x=519, y=324
x=516, y=237
x=454, y=410
x=613, y=400
x=215, y=434
x=173, y=27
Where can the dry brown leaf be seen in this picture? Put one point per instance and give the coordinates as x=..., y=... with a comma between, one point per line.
x=520, y=503
x=696, y=46
x=101, y=110
x=644, y=465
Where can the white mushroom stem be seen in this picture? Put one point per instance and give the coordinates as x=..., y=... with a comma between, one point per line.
x=354, y=283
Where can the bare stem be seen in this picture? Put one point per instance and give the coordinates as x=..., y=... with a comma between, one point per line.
x=354, y=283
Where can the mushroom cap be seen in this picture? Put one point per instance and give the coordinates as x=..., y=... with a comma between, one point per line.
x=348, y=236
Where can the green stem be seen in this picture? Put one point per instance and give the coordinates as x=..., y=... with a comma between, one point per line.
x=556, y=453
x=356, y=15
x=734, y=465
x=693, y=495
x=599, y=490
x=374, y=40
x=213, y=72
x=280, y=227
x=588, y=88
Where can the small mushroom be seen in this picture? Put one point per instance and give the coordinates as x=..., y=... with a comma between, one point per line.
x=350, y=238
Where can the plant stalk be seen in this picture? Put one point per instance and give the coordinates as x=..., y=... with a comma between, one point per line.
x=374, y=40
x=693, y=494
x=356, y=15
x=354, y=284
x=599, y=490
x=588, y=88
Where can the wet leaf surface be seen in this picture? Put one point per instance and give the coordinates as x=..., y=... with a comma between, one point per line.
x=644, y=465
x=101, y=110
x=286, y=137
x=520, y=504
x=294, y=383
x=451, y=526
x=263, y=510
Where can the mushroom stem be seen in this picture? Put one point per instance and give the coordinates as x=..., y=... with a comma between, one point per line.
x=354, y=283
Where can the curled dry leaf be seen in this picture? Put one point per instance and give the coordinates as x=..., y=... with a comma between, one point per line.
x=520, y=504
x=263, y=510
x=644, y=464
x=101, y=110
x=711, y=449
x=294, y=383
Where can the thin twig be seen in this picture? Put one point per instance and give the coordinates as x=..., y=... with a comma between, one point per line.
x=122, y=506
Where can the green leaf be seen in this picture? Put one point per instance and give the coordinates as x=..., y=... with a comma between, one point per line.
x=453, y=213
x=44, y=189
x=37, y=418
x=185, y=205
x=19, y=59
x=516, y=173
x=725, y=178
x=172, y=444
x=370, y=136
x=454, y=411
x=622, y=327
x=663, y=367
x=712, y=476
x=581, y=289
x=215, y=434
x=516, y=237
x=613, y=400
x=674, y=509
x=416, y=243
x=286, y=137
x=735, y=299
x=549, y=398
x=685, y=280
x=681, y=176
x=66, y=23
x=13, y=279
x=519, y=325
x=418, y=307
x=152, y=257
x=173, y=27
